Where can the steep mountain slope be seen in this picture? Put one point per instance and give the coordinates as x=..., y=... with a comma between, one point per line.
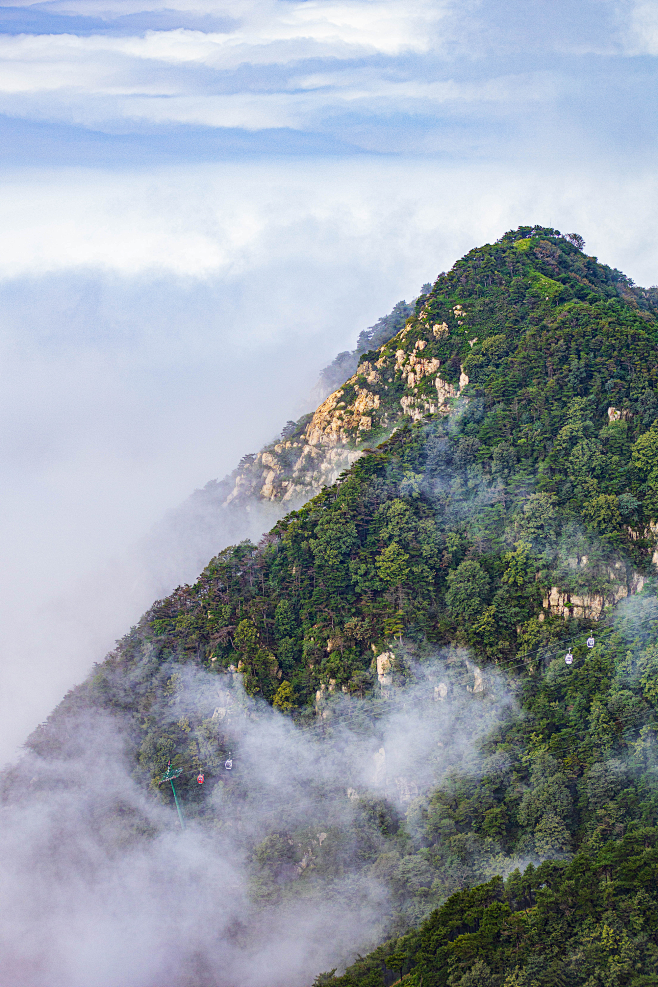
x=552, y=442
x=510, y=507
x=85, y=619
x=282, y=476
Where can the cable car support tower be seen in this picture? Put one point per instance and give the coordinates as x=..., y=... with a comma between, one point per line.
x=169, y=775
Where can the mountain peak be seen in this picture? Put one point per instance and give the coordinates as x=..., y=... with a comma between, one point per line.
x=438, y=669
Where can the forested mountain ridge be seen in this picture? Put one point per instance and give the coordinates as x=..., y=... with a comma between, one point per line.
x=556, y=434
x=513, y=505
x=418, y=375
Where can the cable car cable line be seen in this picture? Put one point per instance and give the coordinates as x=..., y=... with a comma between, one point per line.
x=367, y=712
x=565, y=745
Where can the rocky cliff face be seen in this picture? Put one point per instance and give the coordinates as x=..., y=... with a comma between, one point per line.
x=402, y=378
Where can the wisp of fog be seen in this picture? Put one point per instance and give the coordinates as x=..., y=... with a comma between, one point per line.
x=101, y=886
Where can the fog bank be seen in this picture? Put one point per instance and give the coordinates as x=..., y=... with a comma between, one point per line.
x=101, y=886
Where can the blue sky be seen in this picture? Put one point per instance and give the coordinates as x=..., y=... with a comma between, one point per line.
x=201, y=203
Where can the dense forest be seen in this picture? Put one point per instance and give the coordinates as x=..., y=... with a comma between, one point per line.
x=510, y=519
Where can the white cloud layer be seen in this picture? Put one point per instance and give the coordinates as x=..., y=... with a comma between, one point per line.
x=186, y=76
x=278, y=64
x=284, y=32
x=226, y=219
x=274, y=33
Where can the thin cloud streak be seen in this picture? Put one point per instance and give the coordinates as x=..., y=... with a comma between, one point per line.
x=336, y=31
x=302, y=106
